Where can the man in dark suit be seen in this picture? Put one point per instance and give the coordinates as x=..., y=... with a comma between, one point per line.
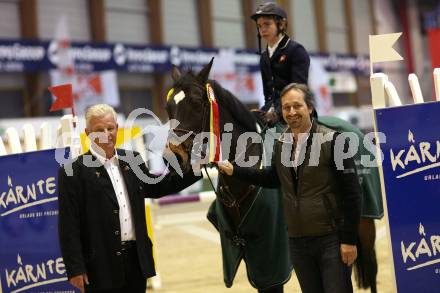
x=102, y=227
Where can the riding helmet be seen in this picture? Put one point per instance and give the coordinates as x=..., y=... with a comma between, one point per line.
x=267, y=9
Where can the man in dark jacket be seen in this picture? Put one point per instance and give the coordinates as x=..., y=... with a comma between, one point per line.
x=102, y=226
x=321, y=195
x=284, y=61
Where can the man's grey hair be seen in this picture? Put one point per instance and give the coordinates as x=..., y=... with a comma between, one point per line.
x=99, y=110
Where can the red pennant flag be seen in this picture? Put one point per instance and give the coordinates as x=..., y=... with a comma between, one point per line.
x=63, y=95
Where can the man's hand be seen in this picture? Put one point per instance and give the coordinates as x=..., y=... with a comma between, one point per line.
x=79, y=282
x=348, y=253
x=226, y=167
x=271, y=117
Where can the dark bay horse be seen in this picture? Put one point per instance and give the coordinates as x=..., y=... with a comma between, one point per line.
x=249, y=219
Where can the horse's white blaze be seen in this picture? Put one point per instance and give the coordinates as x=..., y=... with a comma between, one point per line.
x=179, y=97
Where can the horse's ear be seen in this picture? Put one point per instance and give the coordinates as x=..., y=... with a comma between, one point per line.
x=204, y=73
x=175, y=73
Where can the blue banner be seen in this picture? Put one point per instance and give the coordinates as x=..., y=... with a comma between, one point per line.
x=31, y=56
x=30, y=259
x=411, y=169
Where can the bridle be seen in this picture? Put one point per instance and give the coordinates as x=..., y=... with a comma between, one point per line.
x=191, y=134
x=223, y=194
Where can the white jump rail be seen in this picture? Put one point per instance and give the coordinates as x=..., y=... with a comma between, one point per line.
x=13, y=140
x=377, y=83
x=2, y=148
x=45, y=137
x=415, y=88
x=437, y=83
x=29, y=139
x=393, y=97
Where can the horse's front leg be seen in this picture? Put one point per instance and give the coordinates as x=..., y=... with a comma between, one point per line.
x=274, y=289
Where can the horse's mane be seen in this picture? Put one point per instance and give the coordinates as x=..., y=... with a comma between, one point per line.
x=235, y=107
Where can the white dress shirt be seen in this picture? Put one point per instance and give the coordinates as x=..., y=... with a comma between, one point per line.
x=114, y=172
x=272, y=49
x=300, y=144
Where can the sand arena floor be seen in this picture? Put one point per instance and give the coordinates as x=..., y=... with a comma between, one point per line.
x=189, y=255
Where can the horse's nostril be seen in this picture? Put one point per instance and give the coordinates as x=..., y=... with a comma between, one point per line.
x=179, y=153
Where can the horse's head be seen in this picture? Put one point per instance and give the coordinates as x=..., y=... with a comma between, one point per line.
x=188, y=109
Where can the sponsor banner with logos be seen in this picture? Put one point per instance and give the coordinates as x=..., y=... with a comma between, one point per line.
x=29, y=56
x=411, y=173
x=30, y=259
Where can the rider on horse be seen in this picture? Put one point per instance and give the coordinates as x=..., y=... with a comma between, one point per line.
x=284, y=61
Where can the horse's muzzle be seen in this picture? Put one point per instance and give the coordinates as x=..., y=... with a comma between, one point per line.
x=180, y=154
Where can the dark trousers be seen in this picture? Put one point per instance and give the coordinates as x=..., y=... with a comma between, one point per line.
x=318, y=265
x=135, y=282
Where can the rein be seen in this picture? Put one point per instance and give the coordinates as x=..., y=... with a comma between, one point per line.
x=224, y=193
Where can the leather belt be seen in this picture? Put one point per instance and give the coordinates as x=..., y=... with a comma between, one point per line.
x=125, y=245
